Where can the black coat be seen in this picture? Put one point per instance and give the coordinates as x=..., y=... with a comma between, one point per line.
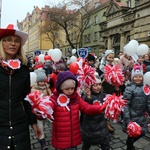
x=93, y=128
x=15, y=112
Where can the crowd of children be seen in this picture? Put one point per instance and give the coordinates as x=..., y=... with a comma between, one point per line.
x=76, y=118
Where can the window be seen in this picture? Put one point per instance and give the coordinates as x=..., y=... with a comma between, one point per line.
x=95, y=19
x=89, y=38
x=95, y=36
x=89, y=23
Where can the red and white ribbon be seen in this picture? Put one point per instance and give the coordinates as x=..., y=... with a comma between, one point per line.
x=146, y=89
x=13, y=63
x=97, y=102
x=63, y=101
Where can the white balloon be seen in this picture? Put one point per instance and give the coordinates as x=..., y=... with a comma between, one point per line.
x=73, y=59
x=56, y=55
x=33, y=77
x=74, y=51
x=142, y=49
x=130, y=49
x=50, y=52
x=134, y=42
x=41, y=58
x=146, y=78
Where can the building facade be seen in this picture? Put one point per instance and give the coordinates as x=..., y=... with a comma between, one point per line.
x=111, y=25
x=37, y=42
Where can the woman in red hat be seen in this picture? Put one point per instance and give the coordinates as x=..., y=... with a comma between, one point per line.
x=15, y=113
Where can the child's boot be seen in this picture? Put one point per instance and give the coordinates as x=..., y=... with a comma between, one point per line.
x=43, y=144
x=130, y=145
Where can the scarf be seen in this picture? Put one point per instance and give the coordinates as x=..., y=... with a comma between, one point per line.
x=10, y=65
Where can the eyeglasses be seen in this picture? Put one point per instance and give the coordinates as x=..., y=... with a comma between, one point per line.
x=10, y=41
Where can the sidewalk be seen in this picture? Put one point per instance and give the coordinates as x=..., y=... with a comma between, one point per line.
x=117, y=141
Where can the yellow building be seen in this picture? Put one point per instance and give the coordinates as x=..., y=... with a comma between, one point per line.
x=37, y=42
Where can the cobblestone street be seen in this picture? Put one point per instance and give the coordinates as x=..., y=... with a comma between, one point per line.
x=117, y=142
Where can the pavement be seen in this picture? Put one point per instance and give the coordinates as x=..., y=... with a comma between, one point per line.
x=118, y=140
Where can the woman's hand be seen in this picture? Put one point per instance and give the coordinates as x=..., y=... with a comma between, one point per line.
x=37, y=131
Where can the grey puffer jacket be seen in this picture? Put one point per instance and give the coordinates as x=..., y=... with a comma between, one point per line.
x=138, y=104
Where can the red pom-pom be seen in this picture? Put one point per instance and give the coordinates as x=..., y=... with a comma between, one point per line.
x=113, y=106
x=85, y=74
x=134, y=130
x=41, y=105
x=114, y=75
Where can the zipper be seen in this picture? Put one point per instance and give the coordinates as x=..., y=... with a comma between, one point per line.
x=22, y=106
x=10, y=101
x=71, y=124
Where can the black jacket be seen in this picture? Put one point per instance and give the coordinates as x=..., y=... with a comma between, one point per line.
x=93, y=128
x=15, y=112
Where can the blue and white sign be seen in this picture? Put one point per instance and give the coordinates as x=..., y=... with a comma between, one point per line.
x=37, y=52
x=82, y=52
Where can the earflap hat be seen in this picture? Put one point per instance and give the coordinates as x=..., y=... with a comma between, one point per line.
x=136, y=71
x=10, y=30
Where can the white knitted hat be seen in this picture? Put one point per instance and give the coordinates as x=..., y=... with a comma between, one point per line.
x=107, y=52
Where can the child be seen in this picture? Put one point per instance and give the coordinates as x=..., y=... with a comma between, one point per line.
x=138, y=104
x=43, y=87
x=66, y=104
x=91, y=59
x=60, y=66
x=108, y=58
x=93, y=128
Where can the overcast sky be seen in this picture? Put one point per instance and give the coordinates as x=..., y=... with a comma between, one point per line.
x=13, y=10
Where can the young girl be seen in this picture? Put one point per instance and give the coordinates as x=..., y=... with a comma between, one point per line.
x=108, y=59
x=93, y=128
x=44, y=87
x=66, y=104
x=138, y=104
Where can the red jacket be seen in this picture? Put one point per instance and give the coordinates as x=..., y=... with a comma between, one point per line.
x=66, y=124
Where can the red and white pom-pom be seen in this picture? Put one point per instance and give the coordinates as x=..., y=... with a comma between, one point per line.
x=113, y=75
x=113, y=106
x=134, y=130
x=85, y=75
x=41, y=105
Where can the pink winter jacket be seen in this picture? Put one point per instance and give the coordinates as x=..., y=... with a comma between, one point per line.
x=66, y=124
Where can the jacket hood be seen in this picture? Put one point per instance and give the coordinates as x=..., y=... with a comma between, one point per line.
x=62, y=76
